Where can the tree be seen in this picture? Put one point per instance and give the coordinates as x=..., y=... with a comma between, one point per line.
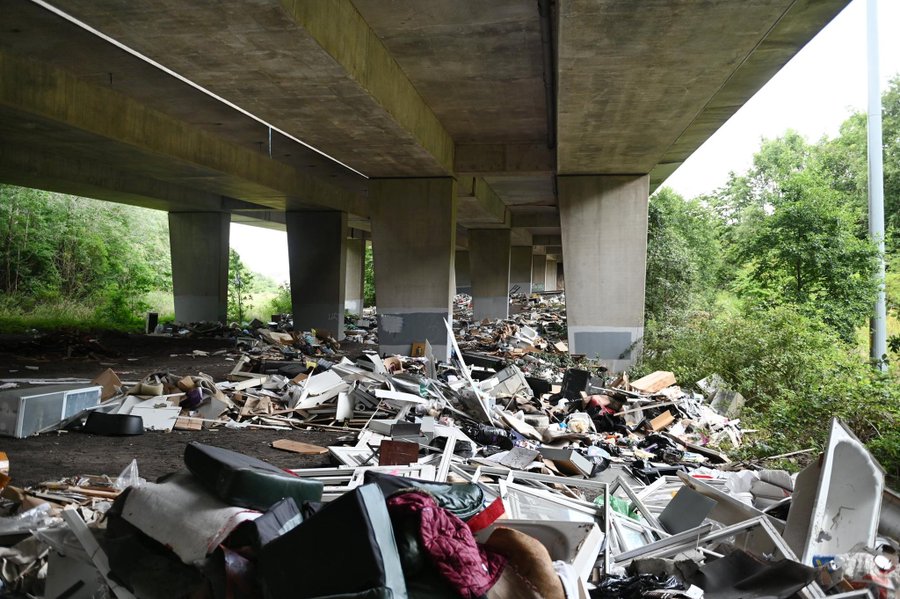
x=369, y=278
x=808, y=253
x=240, y=282
x=683, y=254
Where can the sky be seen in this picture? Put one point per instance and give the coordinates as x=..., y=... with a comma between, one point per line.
x=813, y=94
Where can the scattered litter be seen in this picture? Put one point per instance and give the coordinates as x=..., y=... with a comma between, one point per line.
x=510, y=471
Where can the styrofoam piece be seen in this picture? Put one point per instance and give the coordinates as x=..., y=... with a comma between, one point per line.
x=837, y=500
x=344, y=407
x=398, y=396
x=157, y=414
x=320, y=388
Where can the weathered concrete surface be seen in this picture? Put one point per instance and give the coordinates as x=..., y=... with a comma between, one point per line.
x=538, y=272
x=393, y=89
x=604, y=234
x=414, y=244
x=551, y=274
x=317, y=243
x=481, y=206
x=641, y=88
x=280, y=60
x=520, y=268
x=463, y=272
x=70, y=117
x=489, y=251
x=199, y=245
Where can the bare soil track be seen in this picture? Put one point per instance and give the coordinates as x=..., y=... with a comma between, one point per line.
x=84, y=355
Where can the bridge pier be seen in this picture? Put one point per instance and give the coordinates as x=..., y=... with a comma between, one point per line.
x=520, y=268
x=414, y=244
x=489, y=251
x=551, y=274
x=463, y=272
x=538, y=272
x=354, y=293
x=199, y=248
x=317, y=258
x=604, y=236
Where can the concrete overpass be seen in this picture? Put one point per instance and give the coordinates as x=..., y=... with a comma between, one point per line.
x=454, y=131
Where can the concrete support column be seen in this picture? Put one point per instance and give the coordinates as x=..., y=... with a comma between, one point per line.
x=317, y=258
x=463, y=274
x=354, y=287
x=604, y=235
x=538, y=272
x=414, y=240
x=199, y=244
x=489, y=251
x=520, y=268
x=550, y=275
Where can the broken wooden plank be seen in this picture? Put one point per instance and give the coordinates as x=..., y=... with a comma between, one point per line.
x=662, y=421
x=654, y=382
x=299, y=447
x=186, y=423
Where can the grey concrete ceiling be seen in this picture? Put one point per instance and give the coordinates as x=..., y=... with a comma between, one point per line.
x=478, y=64
x=392, y=88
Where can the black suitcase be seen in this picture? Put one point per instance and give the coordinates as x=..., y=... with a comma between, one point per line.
x=244, y=481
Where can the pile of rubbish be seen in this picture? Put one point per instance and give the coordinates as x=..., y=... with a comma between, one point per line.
x=470, y=478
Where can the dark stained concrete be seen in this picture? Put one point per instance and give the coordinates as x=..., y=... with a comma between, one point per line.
x=400, y=88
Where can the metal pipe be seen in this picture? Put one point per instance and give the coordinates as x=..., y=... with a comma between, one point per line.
x=878, y=324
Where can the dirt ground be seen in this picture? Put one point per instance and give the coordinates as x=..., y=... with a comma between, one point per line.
x=51, y=456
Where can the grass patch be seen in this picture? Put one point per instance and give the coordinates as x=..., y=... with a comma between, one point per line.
x=15, y=318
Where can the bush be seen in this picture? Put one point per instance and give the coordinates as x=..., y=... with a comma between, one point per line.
x=794, y=371
x=281, y=303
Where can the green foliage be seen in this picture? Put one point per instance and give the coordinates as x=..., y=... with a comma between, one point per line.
x=794, y=371
x=808, y=253
x=369, y=280
x=281, y=303
x=58, y=250
x=240, y=286
x=683, y=254
x=792, y=270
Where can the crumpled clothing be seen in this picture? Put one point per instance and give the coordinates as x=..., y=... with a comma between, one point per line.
x=467, y=566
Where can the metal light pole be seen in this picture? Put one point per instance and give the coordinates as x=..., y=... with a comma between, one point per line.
x=878, y=325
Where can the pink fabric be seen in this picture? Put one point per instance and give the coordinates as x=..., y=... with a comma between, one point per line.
x=469, y=568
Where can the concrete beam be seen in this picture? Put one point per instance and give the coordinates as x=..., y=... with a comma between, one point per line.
x=639, y=88
x=551, y=240
x=156, y=139
x=536, y=220
x=479, y=206
x=521, y=237
x=339, y=28
x=51, y=171
x=505, y=159
x=795, y=27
